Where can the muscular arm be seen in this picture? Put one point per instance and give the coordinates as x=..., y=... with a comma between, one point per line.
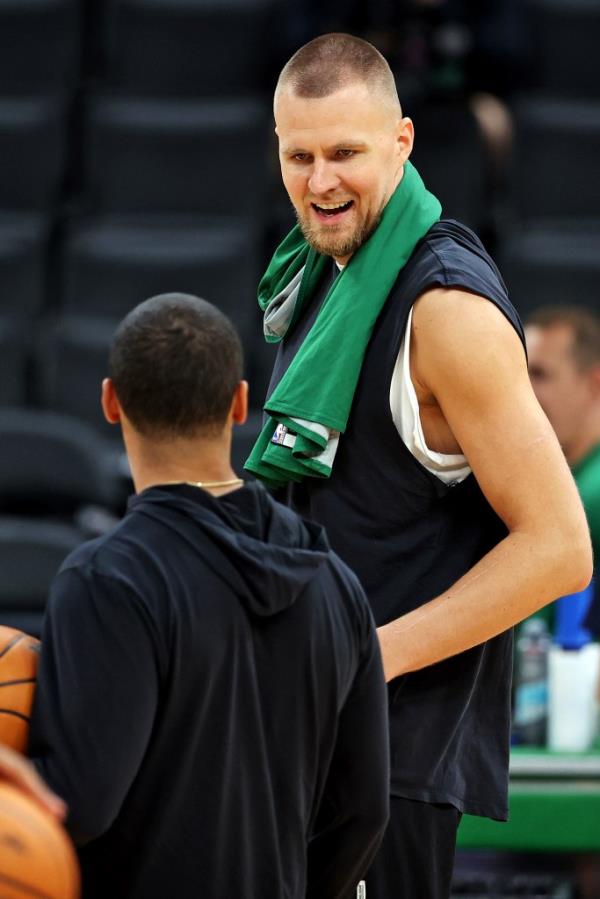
x=469, y=359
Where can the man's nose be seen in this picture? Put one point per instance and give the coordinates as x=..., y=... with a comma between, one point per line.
x=323, y=178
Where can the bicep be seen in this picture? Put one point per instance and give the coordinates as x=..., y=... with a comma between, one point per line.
x=474, y=364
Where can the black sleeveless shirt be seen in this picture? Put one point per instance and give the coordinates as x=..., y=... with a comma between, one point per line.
x=408, y=536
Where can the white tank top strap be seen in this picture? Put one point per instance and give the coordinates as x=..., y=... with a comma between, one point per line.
x=404, y=406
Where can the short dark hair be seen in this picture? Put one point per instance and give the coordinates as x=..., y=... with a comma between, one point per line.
x=175, y=361
x=585, y=325
x=332, y=61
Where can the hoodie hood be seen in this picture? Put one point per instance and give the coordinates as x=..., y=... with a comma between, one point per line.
x=269, y=554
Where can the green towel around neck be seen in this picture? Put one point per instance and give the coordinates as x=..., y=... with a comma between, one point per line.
x=309, y=408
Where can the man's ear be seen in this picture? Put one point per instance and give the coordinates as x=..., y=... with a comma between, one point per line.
x=405, y=137
x=110, y=403
x=239, y=404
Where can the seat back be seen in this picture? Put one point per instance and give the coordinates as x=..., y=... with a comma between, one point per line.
x=31, y=553
x=187, y=47
x=33, y=140
x=157, y=155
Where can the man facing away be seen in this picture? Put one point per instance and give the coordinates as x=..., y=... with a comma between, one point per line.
x=400, y=415
x=210, y=700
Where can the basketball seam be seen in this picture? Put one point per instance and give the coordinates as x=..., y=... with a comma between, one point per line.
x=21, y=885
x=24, y=680
x=12, y=643
x=16, y=714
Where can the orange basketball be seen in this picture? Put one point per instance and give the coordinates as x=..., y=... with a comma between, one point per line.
x=36, y=856
x=19, y=654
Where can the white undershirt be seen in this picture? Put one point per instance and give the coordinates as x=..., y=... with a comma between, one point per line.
x=448, y=467
x=451, y=468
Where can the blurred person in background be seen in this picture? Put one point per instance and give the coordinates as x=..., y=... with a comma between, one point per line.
x=401, y=416
x=563, y=344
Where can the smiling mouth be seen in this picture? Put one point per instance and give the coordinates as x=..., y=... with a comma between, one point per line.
x=329, y=210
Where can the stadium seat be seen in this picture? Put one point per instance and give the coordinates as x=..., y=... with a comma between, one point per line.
x=40, y=44
x=33, y=138
x=13, y=355
x=111, y=264
x=565, y=49
x=198, y=157
x=553, y=264
x=450, y=158
x=31, y=553
x=52, y=464
x=555, y=167
x=23, y=260
x=187, y=47
x=71, y=361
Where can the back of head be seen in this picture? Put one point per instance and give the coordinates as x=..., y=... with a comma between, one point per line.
x=332, y=61
x=175, y=362
x=584, y=325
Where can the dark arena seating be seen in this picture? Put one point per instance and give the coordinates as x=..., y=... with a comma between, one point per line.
x=555, y=168
x=13, y=355
x=24, y=244
x=59, y=485
x=167, y=155
x=31, y=552
x=550, y=233
x=556, y=263
x=33, y=141
x=111, y=263
x=51, y=464
x=565, y=50
x=187, y=47
x=69, y=366
x=40, y=44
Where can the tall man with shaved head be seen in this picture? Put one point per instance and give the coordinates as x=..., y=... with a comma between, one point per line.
x=400, y=415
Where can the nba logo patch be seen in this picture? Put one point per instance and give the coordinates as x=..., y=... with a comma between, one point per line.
x=279, y=435
x=361, y=890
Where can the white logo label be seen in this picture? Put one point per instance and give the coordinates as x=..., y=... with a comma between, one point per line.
x=361, y=890
x=279, y=435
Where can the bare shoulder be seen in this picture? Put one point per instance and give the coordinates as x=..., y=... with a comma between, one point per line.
x=459, y=336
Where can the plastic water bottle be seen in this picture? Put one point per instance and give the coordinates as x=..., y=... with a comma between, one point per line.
x=530, y=720
x=573, y=677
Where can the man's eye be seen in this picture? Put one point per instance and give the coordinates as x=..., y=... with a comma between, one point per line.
x=345, y=154
x=300, y=157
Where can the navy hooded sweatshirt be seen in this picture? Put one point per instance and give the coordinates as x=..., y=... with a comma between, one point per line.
x=211, y=705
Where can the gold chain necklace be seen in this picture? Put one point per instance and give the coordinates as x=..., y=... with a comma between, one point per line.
x=205, y=485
